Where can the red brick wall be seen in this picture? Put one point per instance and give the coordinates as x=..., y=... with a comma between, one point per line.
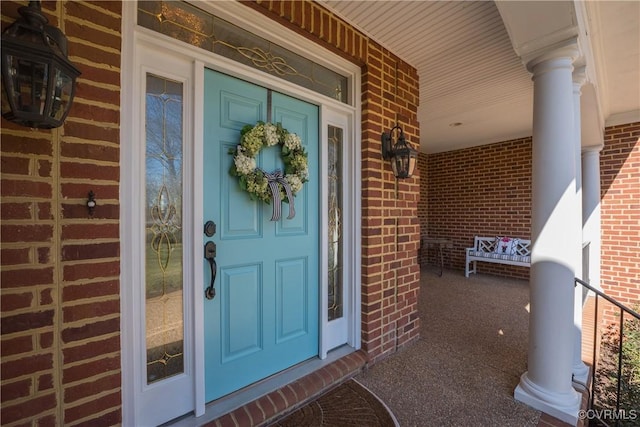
x=479, y=191
x=390, y=226
x=60, y=267
x=620, y=213
x=486, y=190
x=423, y=206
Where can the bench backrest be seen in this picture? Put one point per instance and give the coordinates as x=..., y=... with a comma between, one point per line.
x=488, y=245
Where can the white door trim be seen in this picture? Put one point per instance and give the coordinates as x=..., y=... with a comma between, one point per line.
x=135, y=41
x=198, y=218
x=345, y=329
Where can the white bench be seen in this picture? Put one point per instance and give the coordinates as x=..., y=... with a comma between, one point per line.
x=500, y=250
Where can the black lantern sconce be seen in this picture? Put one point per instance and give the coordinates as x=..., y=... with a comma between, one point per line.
x=37, y=77
x=403, y=158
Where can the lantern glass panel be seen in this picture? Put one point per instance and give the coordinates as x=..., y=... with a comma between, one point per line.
x=398, y=164
x=28, y=82
x=412, y=165
x=404, y=163
x=6, y=107
x=61, y=94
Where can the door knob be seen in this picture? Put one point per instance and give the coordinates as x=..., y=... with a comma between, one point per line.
x=209, y=228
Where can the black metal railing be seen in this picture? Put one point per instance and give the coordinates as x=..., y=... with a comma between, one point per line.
x=615, y=384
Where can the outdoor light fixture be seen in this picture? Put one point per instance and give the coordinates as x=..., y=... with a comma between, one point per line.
x=38, y=79
x=403, y=158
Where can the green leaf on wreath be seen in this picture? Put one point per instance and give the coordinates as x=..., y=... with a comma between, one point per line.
x=243, y=183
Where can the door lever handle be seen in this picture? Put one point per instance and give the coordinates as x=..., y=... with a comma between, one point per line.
x=210, y=255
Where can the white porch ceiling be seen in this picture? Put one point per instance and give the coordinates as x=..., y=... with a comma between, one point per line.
x=470, y=74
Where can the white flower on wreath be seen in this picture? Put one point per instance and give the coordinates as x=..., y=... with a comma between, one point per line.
x=292, y=142
x=294, y=182
x=303, y=174
x=244, y=164
x=271, y=134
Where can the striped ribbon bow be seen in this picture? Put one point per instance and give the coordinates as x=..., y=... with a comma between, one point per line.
x=275, y=178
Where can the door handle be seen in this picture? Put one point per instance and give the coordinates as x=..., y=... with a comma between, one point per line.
x=210, y=255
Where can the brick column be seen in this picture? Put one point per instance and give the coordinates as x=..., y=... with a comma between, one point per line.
x=547, y=384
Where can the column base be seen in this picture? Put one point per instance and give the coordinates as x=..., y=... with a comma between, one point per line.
x=581, y=373
x=564, y=406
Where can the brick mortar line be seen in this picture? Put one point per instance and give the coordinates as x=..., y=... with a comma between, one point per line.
x=29, y=156
x=83, y=421
x=99, y=85
x=87, y=161
x=89, y=261
x=93, y=103
x=92, y=398
x=89, y=360
x=78, y=20
x=80, y=302
x=96, y=142
x=23, y=177
x=92, y=280
x=58, y=271
x=24, y=134
x=105, y=125
x=89, y=241
x=96, y=46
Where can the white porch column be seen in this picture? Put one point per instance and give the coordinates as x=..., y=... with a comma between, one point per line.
x=547, y=384
x=591, y=210
x=580, y=370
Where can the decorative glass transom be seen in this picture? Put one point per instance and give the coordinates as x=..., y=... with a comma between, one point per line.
x=185, y=22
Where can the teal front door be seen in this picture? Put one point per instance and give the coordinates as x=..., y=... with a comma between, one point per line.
x=264, y=316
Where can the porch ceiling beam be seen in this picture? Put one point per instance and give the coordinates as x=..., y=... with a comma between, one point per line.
x=536, y=27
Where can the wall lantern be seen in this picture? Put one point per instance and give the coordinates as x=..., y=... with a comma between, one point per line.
x=37, y=78
x=403, y=158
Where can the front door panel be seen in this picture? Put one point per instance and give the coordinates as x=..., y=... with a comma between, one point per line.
x=264, y=317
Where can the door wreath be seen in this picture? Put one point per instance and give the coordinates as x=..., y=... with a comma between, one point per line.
x=276, y=186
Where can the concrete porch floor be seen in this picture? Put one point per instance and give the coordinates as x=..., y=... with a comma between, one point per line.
x=468, y=360
x=461, y=372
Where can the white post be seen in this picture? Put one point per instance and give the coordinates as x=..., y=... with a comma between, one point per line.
x=580, y=370
x=591, y=210
x=547, y=385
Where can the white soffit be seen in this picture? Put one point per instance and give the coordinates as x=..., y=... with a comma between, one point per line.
x=615, y=35
x=469, y=70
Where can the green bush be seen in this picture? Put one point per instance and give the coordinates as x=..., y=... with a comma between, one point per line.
x=606, y=383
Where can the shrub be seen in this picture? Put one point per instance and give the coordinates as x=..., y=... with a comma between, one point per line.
x=606, y=382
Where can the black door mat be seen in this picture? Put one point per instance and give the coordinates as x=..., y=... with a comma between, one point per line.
x=349, y=404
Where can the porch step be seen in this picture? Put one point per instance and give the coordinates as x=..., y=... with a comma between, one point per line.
x=288, y=398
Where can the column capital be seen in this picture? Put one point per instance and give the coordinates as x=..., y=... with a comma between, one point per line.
x=592, y=149
x=565, y=49
x=579, y=76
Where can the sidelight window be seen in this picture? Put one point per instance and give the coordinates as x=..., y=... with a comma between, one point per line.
x=334, y=239
x=163, y=230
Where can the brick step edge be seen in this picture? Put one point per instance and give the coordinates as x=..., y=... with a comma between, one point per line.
x=280, y=402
